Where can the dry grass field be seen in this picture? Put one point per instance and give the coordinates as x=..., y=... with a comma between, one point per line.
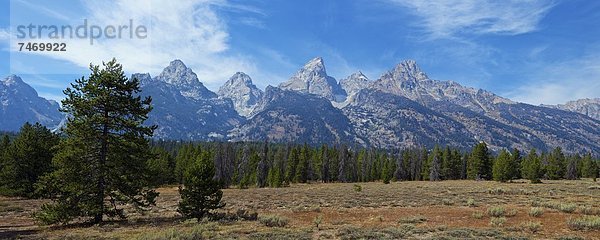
x=400, y=210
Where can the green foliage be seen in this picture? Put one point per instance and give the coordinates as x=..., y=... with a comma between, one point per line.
x=555, y=167
x=26, y=159
x=273, y=221
x=201, y=192
x=584, y=223
x=531, y=167
x=502, y=167
x=101, y=162
x=161, y=167
x=479, y=165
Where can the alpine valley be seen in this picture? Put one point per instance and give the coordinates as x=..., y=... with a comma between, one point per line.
x=403, y=108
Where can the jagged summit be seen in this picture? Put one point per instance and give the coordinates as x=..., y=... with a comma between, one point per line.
x=408, y=70
x=182, y=77
x=316, y=65
x=244, y=94
x=354, y=83
x=313, y=79
x=20, y=103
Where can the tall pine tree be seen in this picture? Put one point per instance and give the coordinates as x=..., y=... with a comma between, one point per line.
x=101, y=163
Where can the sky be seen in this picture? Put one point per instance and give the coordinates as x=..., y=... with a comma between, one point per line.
x=533, y=51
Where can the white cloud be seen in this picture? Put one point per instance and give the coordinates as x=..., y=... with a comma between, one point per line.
x=190, y=30
x=561, y=82
x=451, y=18
x=4, y=34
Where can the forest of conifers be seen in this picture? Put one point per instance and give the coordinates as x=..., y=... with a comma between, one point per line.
x=28, y=155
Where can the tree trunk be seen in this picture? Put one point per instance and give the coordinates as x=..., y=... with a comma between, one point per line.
x=102, y=170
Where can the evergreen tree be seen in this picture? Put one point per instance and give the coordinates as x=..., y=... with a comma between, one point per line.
x=571, y=173
x=26, y=160
x=502, y=167
x=161, y=167
x=262, y=168
x=515, y=164
x=555, y=168
x=480, y=165
x=325, y=164
x=589, y=167
x=531, y=167
x=184, y=159
x=343, y=161
x=101, y=162
x=201, y=192
x=302, y=168
x=243, y=167
x=292, y=163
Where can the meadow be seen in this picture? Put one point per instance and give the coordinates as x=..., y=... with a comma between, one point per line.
x=455, y=209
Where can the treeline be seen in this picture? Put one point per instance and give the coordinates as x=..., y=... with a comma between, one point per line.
x=249, y=164
x=276, y=165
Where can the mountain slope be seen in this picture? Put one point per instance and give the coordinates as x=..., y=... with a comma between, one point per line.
x=392, y=121
x=289, y=116
x=184, y=108
x=588, y=106
x=20, y=103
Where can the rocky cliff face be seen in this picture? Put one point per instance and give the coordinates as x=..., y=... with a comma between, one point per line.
x=289, y=116
x=588, y=106
x=184, y=108
x=20, y=103
x=244, y=94
x=313, y=79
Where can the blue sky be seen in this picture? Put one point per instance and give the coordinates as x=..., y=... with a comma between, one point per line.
x=536, y=51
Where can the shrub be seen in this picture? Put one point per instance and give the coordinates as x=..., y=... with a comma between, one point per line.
x=273, y=221
x=478, y=214
x=567, y=207
x=412, y=220
x=584, y=223
x=532, y=226
x=511, y=212
x=497, y=221
x=318, y=220
x=536, y=211
x=587, y=210
x=471, y=202
x=447, y=202
x=496, y=211
x=357, y=188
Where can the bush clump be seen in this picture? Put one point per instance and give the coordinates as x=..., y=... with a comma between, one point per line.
x=536, y=211
x=498, y=211
x=273, y=221
x=584, y=223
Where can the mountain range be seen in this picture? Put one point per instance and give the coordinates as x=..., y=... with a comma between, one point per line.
x=402, y=108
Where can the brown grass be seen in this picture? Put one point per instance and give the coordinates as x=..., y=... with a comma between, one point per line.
x=377, y=211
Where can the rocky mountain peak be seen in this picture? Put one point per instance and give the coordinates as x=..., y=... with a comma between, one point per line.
x=408, y=70
x=313, y=79
x=12, y=80
x=315, y=65
x=244, y=94
x=355, y=82
x=179, y=74
x=587, y=106
x=183, y=78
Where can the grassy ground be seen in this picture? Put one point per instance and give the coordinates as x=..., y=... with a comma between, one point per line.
x=400, y=210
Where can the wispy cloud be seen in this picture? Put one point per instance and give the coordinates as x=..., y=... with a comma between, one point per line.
x=452, y=18
x=190, y=30
x=560, y=82
x=4, y=34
